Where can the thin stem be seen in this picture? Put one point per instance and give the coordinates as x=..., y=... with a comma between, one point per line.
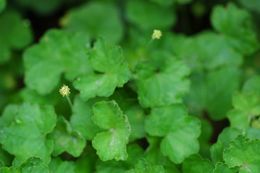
x=70, y=103
x=149, y=43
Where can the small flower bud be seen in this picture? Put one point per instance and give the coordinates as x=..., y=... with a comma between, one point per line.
x=64, y=90
x=157, y=34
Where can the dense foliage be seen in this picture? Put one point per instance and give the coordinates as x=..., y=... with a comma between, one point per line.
x=134, y=86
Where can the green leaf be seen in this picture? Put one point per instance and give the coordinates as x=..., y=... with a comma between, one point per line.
x=31, y=96
x=108, y=116
x=251, y=4
x=59, y=166
x=245, y=113
x=135, y=152
x=111, y=71
x=243, y=153
x=5, y=158
x=148, y=15
x=163, y=85
x=24, y=127
x=144, y=166
x=15, y=34
x=81, y=119
x=221, y=85
x=224, y=138
x=110, y=166
x=34, y=165
x=128, y=102
x=154, y=156
x=9, y=170
x=164, y=2
x=42, y=7
x=2, y=5
x=223, y=168
x=205, y=137
x=237, y=27
x=66, y=139
x=179, y=131
x=246, y=107
x=136, y=118
x=207, y=93
x=95, y=19
x=252, y=85
x=58, y=52
x=196, y=164
x=207, y=50
x=86, y=163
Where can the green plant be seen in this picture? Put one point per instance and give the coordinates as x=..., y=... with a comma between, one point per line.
x=115, y=89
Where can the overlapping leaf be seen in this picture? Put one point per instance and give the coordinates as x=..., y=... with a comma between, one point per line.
x=196, y=164
x=207, y=50
x=179, y=131
x=81, y=119
x=246, y=105
x=111, y=142
x=244, y=154
x=24, y=129
x=58, y=52
x=207, y=93
x=111, y=71
x=160, y=84
x=67, y=139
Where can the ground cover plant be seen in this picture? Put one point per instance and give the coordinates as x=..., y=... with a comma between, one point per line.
x=133, y=86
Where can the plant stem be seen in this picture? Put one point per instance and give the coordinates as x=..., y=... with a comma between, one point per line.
x=70, y=103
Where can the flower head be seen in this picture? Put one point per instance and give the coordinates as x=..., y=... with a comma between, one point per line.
x=64, y=90
x=157, y=34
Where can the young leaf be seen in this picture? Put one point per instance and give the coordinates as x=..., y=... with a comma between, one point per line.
x=179, y=131
x=58, y=52
x=108, y=60
x=24, y=129
x=110, y=143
